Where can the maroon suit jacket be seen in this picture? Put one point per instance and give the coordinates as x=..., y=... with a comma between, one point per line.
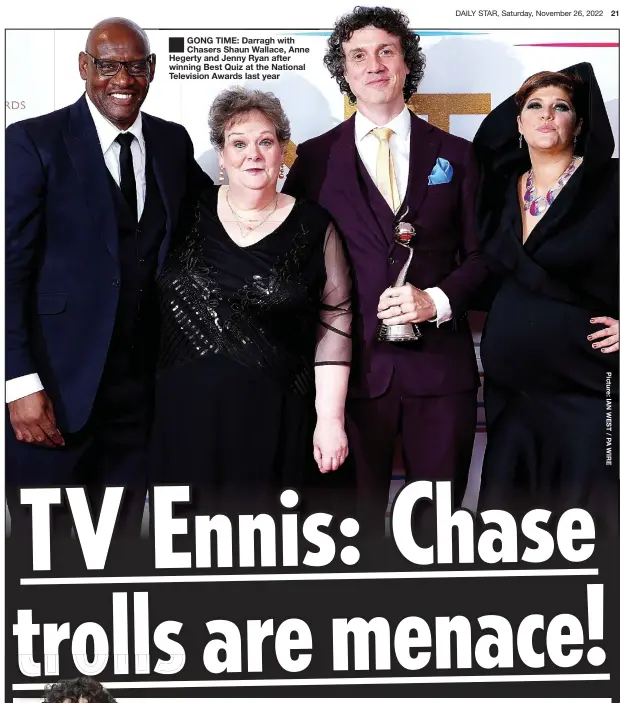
x=329, y=171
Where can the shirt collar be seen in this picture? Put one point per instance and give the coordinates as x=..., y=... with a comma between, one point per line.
x=400, y=125
x=107, y=132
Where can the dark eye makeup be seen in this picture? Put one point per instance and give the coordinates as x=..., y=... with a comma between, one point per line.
x=536, y=104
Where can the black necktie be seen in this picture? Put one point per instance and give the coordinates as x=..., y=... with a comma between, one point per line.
x=128, y=177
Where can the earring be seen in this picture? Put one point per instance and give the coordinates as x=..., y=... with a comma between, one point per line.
x=221, y=174
x=281, y=174
x=520, y=141
x=574, y=141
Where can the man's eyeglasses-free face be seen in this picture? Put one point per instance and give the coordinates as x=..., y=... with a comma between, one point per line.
x=109, y=68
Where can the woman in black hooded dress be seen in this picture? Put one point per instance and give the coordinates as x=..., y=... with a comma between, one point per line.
x=548, y=220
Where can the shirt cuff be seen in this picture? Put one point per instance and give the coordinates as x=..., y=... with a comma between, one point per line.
x=442, y=305
x=22, y=386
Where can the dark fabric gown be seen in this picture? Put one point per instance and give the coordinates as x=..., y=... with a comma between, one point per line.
x=242, y=328
x=551, y=400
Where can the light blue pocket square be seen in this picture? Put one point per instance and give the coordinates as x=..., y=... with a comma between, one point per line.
x=441, y=173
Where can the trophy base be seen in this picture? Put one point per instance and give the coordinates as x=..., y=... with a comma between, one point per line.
x=398, y=333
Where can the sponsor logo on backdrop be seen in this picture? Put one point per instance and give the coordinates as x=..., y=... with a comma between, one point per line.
x=15, y=104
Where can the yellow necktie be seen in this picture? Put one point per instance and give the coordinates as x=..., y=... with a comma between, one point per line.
x=386, y=180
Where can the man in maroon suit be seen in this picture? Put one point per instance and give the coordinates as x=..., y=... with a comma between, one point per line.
x=380, y=167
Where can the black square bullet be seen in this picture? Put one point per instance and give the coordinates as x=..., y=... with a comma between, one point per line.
x=176, y=45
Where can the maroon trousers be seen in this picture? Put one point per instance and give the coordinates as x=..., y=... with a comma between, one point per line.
x=437, y=438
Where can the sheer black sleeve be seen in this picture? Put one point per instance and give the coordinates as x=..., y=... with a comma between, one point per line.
x=334, y=330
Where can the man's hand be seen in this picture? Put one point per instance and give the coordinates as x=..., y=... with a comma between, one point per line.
x=406, y=304
x=33, y=420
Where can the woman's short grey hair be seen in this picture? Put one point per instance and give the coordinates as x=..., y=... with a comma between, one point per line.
x=230, y=104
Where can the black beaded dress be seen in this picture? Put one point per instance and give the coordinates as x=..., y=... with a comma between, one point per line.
x=551, y=400
x=242, y=329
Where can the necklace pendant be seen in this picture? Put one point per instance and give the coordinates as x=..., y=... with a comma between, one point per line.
x=538, y=206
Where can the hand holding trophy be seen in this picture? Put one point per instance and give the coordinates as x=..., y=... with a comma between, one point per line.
x=406, y=332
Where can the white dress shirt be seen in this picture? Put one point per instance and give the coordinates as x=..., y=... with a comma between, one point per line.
x=368, y=148
x=31, y=383
x=111, y=149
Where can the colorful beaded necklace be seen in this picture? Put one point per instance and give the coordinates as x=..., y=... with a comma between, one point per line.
x=537, y=204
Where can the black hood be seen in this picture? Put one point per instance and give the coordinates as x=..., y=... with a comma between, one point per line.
x=497, y=139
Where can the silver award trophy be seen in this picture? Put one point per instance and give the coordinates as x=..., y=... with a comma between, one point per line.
x=408, y=332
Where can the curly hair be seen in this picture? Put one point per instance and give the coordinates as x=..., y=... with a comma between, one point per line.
x=231, y=104
x=76, y=691
x=392, y=21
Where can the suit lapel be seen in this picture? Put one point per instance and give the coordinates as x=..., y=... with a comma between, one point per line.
x=549, y=224
x=511, y=220
x=85, y=152
x=164, y=175
x=343, y=162
x=423, y=151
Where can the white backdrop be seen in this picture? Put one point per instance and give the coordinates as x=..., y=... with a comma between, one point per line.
x=467, y=72
x=42, y=74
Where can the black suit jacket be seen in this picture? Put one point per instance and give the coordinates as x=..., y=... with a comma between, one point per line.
x=62, y=267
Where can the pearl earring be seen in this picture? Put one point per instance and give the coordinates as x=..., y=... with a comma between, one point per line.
x=281, y=174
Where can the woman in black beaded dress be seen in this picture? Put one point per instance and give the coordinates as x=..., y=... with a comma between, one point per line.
x=256, y=339
x=548, y=217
